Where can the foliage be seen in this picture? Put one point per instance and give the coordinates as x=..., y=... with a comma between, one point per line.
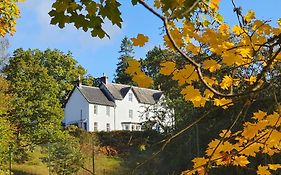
x=223, y=65
x=9, y=13
x=64, y=156
x=64, y=69
x=37, y=115
x=126, y=53
x=6, y=128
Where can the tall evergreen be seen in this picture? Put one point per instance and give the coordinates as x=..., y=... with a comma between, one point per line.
x=126, y=52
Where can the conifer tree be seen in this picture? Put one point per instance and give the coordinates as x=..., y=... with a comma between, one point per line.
x=126, y=53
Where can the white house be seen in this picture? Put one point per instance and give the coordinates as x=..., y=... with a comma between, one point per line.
x=114, y=107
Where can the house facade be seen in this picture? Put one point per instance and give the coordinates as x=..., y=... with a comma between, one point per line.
x=114, y=107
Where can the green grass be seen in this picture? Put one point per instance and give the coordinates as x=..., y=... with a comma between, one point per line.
x=104, y=165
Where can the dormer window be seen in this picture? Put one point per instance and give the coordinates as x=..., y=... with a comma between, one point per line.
x=130, y=97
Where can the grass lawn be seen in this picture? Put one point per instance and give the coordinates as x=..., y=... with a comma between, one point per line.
x=104, y=165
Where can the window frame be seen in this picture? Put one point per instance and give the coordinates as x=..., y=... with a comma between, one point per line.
x=95, y=126
x=95, y=109
x=131, y=113
x=107, y=127
x=130, y=97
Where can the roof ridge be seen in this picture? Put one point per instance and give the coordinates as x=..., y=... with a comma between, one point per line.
x=90, y=86
x=135, y=86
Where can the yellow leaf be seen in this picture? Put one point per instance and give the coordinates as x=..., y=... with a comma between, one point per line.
x=259, y=115
x=199, y=161
x=223, y=28
x=241, y=161
x=228, y=134
x=274, y=119
x=225, y=103
x=211, y=64
x=211, y=80
x=140, y=40
x=177, y=37
x=251, y=150
x=274, y=166
x=263, y=170
x=190, y=93
x=157, y=3
x=211, y=146
x=208, y=94
x=251, y=80
x=185, y=75
x=249, y=16
x=226, y=146
x=227, y=81
x=167, y=67
x=245, y=52
x=133, y=65
x=192, y=48
x=237, y=30
x=214, y=4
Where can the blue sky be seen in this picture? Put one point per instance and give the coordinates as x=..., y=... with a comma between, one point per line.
x=100, y=56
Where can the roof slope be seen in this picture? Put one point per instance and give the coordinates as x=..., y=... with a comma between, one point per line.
x=144, y=95
x=95, y=95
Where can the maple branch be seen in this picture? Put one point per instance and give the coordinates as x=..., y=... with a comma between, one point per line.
x=190, y=60
x=151, y=10
x=167, y=141
x=268, y=64
x=245, y=107
x=187, y=11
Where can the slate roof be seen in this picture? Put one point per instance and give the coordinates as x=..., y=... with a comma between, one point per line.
x=144, y=95
x=118, y=91
x=95, y=95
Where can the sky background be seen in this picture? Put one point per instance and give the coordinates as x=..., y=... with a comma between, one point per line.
x=100, y=56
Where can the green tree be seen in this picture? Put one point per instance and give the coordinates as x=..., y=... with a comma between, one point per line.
x=126, y=53
x=64, y=69
x=6, y=128
x=64, y=156
x=37, y=112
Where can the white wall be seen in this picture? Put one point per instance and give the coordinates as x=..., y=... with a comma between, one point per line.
x=122, y=110
x=101, y=117
x=75, y=104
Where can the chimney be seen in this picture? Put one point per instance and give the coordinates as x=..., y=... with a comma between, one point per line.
x=104, y=79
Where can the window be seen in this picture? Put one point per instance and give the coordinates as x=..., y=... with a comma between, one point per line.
x=130, y=97
x=126, y=127
x=107, y=127
x=147, y=115
x=138, y=128
x=95, y=109
x=95, y=126
x=130, y=113
x=133, y=127
x=108, y=110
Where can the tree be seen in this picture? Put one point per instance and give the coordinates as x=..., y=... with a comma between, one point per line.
x=64, y=69
x=64, y=156
x=6, y=128
x=37, y=112
x=126, y=53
